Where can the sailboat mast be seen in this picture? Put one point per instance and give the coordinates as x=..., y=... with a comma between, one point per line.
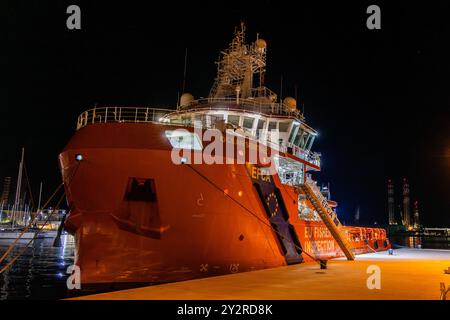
x=18, y=188
x=40, y=198
x=1, y=211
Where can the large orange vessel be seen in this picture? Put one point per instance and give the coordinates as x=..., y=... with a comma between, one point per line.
x=219, y=185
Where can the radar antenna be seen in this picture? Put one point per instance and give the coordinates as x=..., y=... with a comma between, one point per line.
x=237, y=65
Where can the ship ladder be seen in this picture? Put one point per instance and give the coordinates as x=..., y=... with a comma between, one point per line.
x=327, y=215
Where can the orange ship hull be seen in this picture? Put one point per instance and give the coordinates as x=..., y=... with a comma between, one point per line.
x=139, y=218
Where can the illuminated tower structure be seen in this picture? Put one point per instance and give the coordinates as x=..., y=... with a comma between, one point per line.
x=406, y=204
x=391, y=205
x=6, y=190
x=236, y=68
x=416, y=215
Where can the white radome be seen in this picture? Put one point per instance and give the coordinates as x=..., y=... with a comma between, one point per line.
x=261, y=44
x=186, y=98
x=290, y=102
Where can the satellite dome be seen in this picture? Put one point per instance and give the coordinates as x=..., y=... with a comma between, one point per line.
x=261, y=43
x=186, y=98
x=290, y=102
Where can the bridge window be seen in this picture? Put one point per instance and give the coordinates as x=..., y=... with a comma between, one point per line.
x=272, y=126
x=294, y=132
x=248, y=123
x=298, y=138
x=310, y=142
x=234, y=120
x=302, y=141
x=284, y=126
x=260, y=127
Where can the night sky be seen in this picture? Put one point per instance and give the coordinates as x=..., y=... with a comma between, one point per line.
x=379, y=98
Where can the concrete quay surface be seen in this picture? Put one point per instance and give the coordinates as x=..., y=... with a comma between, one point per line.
x=407, y=274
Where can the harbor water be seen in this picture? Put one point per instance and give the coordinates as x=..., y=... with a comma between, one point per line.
x=40, y=273
x=424, y=242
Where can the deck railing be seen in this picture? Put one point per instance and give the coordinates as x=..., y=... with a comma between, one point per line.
x=142, y=114
x=121, y=115
x=246, y=105
x=148, y=115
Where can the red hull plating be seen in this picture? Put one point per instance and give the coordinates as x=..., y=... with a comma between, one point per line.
x=188, y=228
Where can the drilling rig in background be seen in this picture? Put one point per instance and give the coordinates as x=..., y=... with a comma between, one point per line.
x=405, y=218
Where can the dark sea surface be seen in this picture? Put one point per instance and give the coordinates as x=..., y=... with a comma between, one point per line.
x=40, y=273
x=421, y=242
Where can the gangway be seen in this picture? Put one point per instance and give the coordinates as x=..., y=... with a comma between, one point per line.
x=328, y=216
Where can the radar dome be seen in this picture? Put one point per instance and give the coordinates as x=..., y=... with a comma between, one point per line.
x=261, y=44
x=290, y=102
x=186, y=98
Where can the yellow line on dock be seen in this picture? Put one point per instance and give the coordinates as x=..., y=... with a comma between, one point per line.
x=408, y=274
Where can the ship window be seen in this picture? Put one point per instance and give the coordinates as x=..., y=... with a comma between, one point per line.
x=248, y=123
x=301, y=138
x=261, y=124
x=305, y=139
x=214, y=119
x=272, y=126
x=234, y=120
x=293, y=132
x=260, y=127
x=298, y=138
x=184, y=139
x=284, y=126
x=176, y=120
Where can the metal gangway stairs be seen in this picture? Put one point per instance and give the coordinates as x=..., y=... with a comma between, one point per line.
x=328, y=216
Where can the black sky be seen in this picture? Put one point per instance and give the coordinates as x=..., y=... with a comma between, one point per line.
x=379, y=98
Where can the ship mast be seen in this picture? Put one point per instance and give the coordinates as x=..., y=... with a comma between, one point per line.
x=237, y=66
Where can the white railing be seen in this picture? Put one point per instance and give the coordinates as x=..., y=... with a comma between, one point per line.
x=246, y=105
x=99, y=115
x=309, y=156
x=121, y=115
x=314, y=158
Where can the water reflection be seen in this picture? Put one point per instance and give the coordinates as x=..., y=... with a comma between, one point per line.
x=40, y=273
x=421, y=242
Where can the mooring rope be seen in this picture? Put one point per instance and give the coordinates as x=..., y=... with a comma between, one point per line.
x=252, y=213
x=34, y=238
x=31, y=223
